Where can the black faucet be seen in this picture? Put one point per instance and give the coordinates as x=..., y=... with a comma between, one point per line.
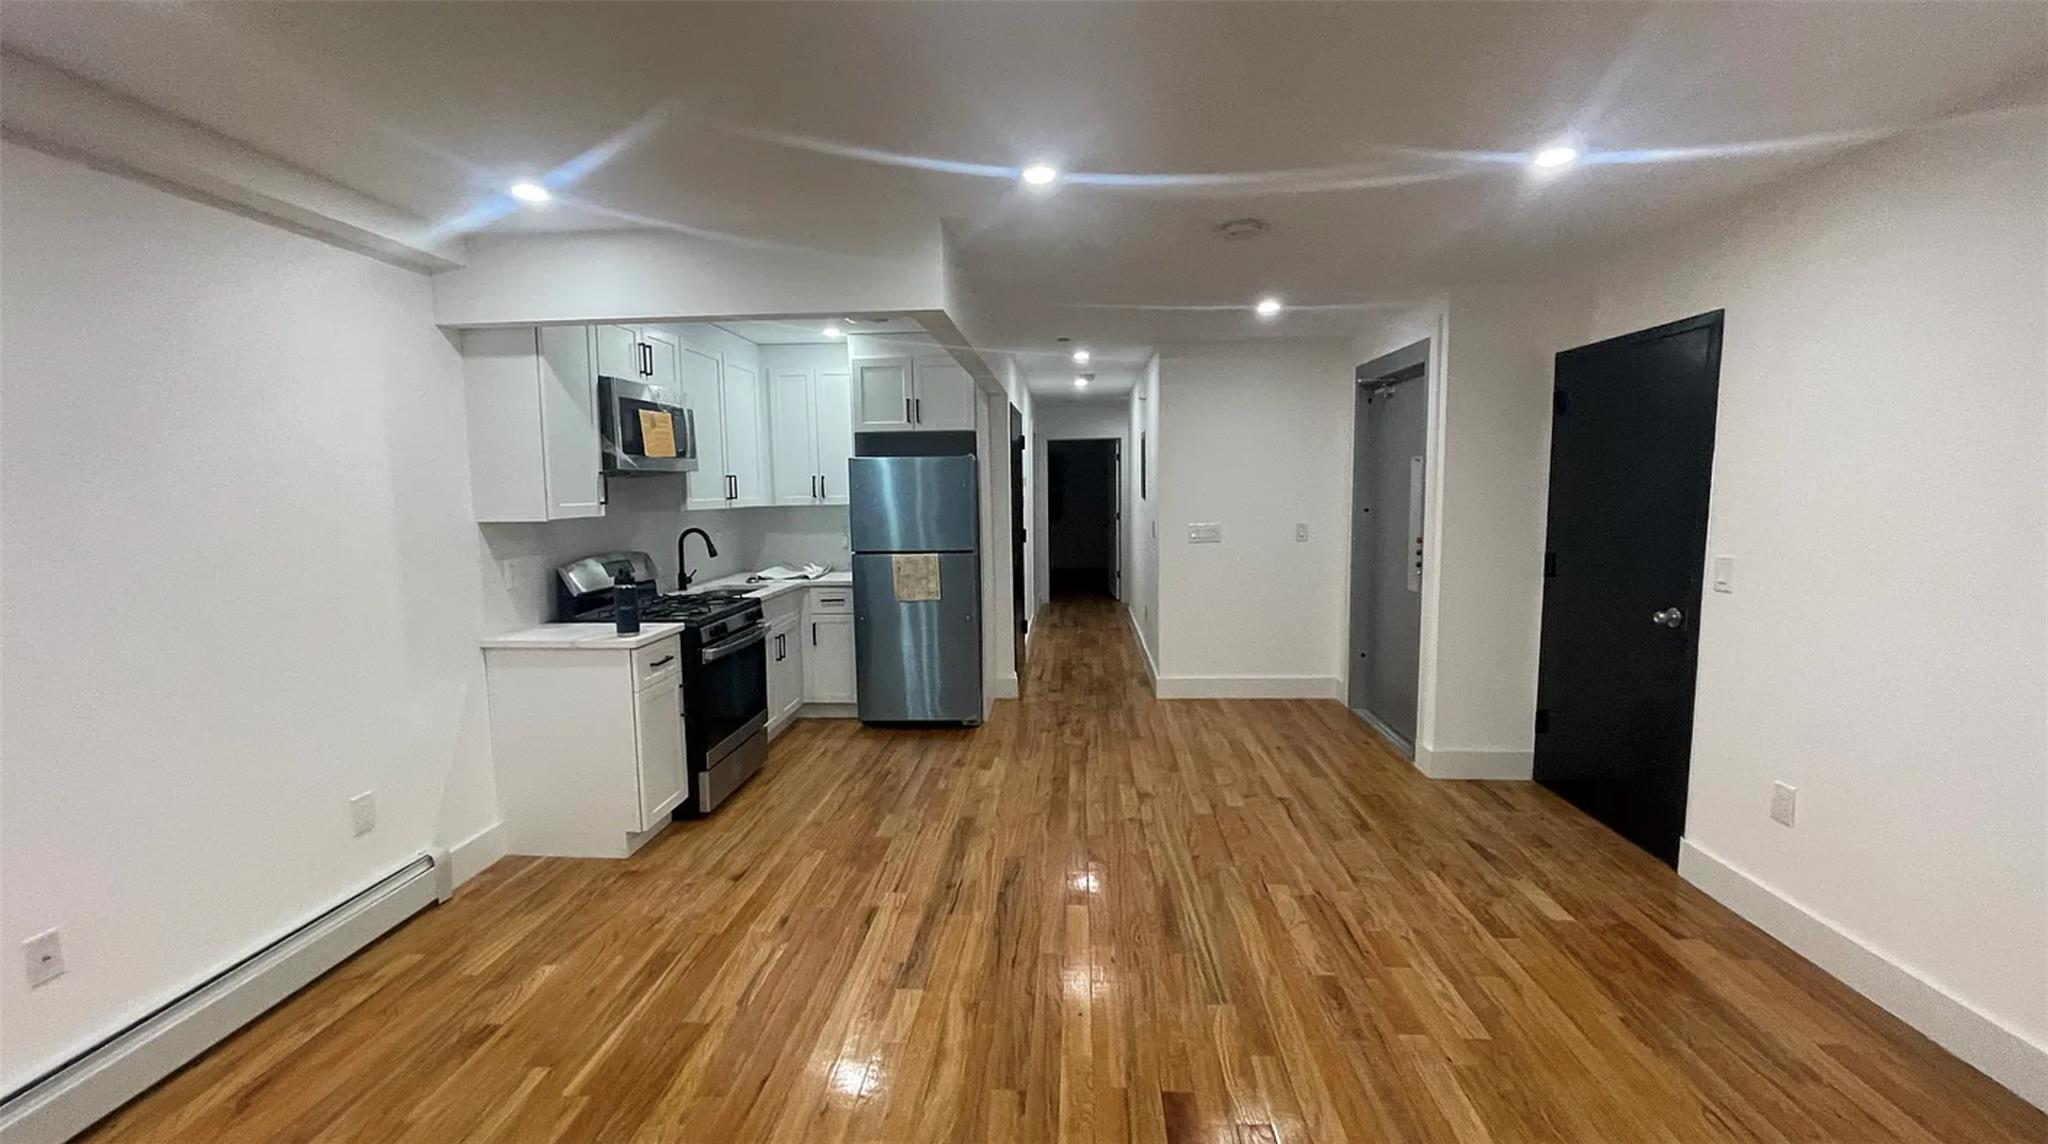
x=683, y=576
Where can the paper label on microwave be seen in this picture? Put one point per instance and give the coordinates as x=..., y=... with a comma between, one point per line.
x=916, y=576
x=657, y=433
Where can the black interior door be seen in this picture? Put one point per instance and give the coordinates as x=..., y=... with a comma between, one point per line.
x=1631, y=461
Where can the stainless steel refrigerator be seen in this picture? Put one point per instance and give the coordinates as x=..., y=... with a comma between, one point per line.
x=916, y=589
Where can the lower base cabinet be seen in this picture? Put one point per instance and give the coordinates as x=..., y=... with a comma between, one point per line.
x=828, y=646
x=785, y=670
x=588, y=745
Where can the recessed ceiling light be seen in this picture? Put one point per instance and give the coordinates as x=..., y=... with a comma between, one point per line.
x=831, y=331
x=1081, y=357
x=528, y=191
x=1267, y=308
x=1551, y=158
x=1040, y=175
x=1080, y=383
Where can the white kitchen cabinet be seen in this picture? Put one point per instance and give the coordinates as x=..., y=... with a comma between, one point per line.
x=832, y=406
x=664, y=361
x=828, y=645
x=810, y=422
x=646, y=354
x=588, y=744
x=703, y=381
x=785, y=671
x=720, y=382
x=882, y=390
x=926, y=392
x=745, y=426
x=658, y=739
x=792, y=435
x=945, y=395
x=530, y=396
x=618, y=351
x=828, y=660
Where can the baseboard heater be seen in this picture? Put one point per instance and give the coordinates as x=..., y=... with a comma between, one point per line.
x=77, y=1094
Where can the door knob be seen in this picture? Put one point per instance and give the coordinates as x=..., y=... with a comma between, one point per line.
x=1669, y=617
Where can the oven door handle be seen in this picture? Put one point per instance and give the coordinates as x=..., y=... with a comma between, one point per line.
x=740, y=642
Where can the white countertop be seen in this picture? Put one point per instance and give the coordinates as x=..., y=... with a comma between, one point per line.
x=602, y=637
x=769, y=589
x=583, y=637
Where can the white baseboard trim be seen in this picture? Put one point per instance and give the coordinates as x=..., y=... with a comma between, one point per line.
x=474, y=855
x=1003, y=687
x=2004, y=1054
x=73, y=1098
x=1246, y=686
x=1450, y=763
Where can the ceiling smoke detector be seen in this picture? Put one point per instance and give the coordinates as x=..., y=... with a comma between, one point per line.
x=1242, y=229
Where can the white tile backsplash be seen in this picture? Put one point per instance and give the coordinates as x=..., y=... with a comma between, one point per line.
x=519, y=560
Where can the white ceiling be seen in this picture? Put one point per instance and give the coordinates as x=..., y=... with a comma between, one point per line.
x=736, y=119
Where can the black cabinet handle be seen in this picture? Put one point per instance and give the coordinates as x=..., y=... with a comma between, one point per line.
x=824, y=490
x=814, y=635
x=646, y=359
x=906, y=410
x=659, y=662
x=917, y=410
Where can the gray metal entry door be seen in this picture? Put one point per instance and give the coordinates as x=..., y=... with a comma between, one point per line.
x=1388, y=483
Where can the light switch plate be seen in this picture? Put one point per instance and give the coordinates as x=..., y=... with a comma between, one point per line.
x=362, y=813
x=1205, y=532
x=43, y=957
x=1300, y=533
x=1724, y=574
x=1784, y=802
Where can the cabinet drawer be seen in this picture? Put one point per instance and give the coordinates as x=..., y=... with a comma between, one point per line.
x=832, y=601
x=657, y=661
x=785, y=607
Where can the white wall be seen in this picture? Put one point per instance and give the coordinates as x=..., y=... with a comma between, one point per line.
x=234, y=591
x=1260, y=440
x=1142, y=585
x=1881, y=477
x=1483, y=561
x=1067, y=419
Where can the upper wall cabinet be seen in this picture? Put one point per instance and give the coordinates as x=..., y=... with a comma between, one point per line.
x=810, y=419
x=913, y=387
x=531, y=396
x=720, y=382
x=650, y=355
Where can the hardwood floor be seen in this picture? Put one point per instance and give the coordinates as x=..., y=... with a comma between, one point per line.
x=1098, y=918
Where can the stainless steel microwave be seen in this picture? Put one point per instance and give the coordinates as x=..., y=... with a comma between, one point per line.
x=643, y=431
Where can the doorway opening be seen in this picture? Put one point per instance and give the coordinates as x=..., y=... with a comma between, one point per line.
x=1390, y=420
x=1631, y=465
x=1083, y=512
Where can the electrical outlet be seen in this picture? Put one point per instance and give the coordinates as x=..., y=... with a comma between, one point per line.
x=362, y=812
x=1784, y=802
x=1724, y=573
x=1300, y=533
x=1205, y=532
x=43, y=957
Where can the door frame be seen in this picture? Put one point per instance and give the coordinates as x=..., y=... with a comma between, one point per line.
x=1431, y=350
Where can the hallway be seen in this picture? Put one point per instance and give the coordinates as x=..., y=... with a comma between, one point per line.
x=1098, y=917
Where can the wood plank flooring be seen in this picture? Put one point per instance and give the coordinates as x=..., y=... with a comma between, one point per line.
x=1097, y=918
